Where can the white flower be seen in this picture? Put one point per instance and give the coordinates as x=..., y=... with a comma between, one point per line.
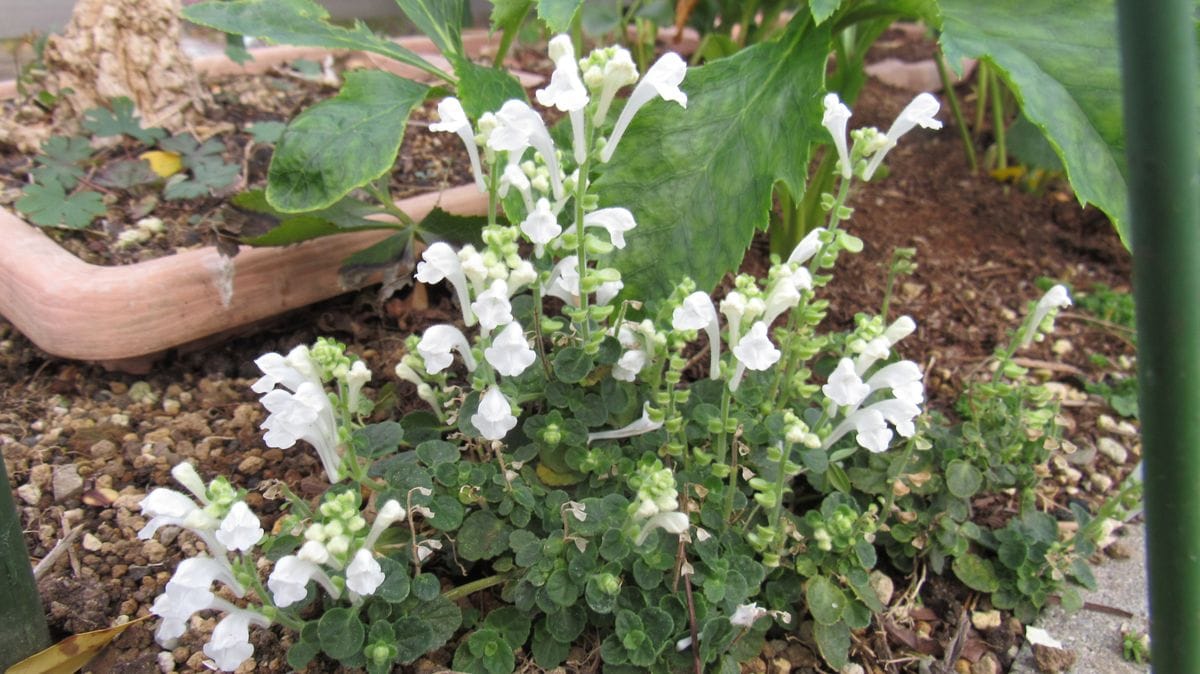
x=734, y=308
x=510, y=353
x=899, y=413
x=167, y=507
x=454, y=120
x=436, y=344
x=474, y=267
x=186, y=475
x=835, y=118
x=871, y=430
x=619, y=71
x=1055, y=298
x=566, y=91
x=607, y=291
x=629, y=365
x=175, y=607
x=783, y=296
x=439, y=261
x=616, y=221
x=672, y=522
x=520, y=276
x=513, y=176
x=754, y=351
x=240, y=530
x=288, y=581
x=313, y=551
x=844, y=386
x=494, y=419
x=364, y=575
x=746, y=615
x=389, y=513
x=356, y=378
x=230, y=645
x=662, y=79
x=289, y=371
x=903, y=378
x=899, y=329
x=697, y=313
x=920, y=112
x=541, y=226
x=642, y=426
x=807, y=247
x=492, y=307
x=519, y=127
x=564, y=281
x=305, y=415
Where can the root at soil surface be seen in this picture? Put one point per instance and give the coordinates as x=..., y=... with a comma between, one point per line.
x=116, y=48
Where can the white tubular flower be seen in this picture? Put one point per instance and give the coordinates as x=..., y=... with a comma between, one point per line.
x=629, y=365
x=230, y=644
x=305, y=415
x=519, y=127
x=167, y=507
x=566, y=91
x=313, y=551
x=754, y=351
x=834, y=120
x=871, y=430
x=494, y=419
x=541, y=226
x=807, y=247
x=240, y=530
x=199, y=572
x=440, y=262
x=492, y=307
x=619, y=71
x=683, y=644
x=564, y=281
x=454, y=120
x=899, y=413
x=672, y=522
x=697, y=313
x=920, y=112
x=356, y=378
x=389, y=513
x=903, y=378
x=662, y=79
x=733, y=308
x=845, y=387
x=616, y=221
x=364, y=575
x=510, y=353
x=289, y=371
x=899, y=329
x=607, y=291
x=520, y=276
x=783, y=296
x=874, y=350
x=288, y=581
x=1054, y=299
x=640, y=427
x=186, y=475
x=175, y=607
x=436, y=344
x=513, y=176
x=474, y=267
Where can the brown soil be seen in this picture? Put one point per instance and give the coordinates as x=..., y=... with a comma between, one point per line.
x=981, y=245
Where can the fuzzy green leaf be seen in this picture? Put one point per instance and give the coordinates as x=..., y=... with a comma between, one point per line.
x=341, y=632
x=1061, y=61
x=826, y=601
x=558, y=14
x=439, y=20
x=299, y=22
x=482, y=89
x=120, y=120
x=976, y=573
x=482, y=536
x=342, y=143
x=834, y=643
x=963, y=479
x=699, y=181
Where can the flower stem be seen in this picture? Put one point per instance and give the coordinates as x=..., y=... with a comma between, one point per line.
x=454, y=594
x=581, y=249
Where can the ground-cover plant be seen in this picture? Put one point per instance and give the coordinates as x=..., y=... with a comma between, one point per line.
x=567, y=461
x=65, y=182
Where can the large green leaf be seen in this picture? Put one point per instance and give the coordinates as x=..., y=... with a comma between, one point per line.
x=482, y=89
x=298, y=22
x=342, y=143
x=558, y=14
x=1060, y=59
x=698, y=181
x=440, y=20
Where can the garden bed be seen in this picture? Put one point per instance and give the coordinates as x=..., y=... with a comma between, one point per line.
x=84, y=445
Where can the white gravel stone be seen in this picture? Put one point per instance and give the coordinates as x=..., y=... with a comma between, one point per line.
x=66, y=482
x=1112, y=449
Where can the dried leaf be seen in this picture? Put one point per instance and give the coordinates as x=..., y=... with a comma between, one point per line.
x=71, y=654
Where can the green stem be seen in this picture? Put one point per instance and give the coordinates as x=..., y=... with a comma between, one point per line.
x=454, y=594
x=998, y=123
x=785, y=452
x=722, y=439
x=384, y=197
x=981, y=85
x=956, y=109
x=581, y=249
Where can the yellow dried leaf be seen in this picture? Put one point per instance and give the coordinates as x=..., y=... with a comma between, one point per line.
x=165, y=164
x=71, y=654
x=554, y=478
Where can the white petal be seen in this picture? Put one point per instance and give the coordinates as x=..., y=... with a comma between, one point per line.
x=494, y=418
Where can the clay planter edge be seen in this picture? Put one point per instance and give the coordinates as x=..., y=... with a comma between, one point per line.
x=124, y=316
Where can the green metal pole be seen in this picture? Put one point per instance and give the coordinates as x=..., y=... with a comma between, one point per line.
x=22, y=623
x=1158, y=61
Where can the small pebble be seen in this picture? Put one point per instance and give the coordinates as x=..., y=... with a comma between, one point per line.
x=66, y=482
x=29, y=493
x=166, y=662
x=985, y=620
x=91, y=543
x=1112, y=449
x=251, y=465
